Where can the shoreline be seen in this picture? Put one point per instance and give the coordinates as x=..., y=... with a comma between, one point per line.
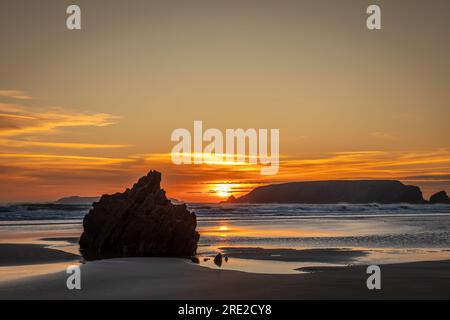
x=172, y=278
x=33, y=253
x=321, y=267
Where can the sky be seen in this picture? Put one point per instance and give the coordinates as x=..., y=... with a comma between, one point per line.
x=88, y=112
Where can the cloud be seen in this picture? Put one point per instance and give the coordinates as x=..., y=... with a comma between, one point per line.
x=28, y=173
x=66, y=145
x=14, y=94
x=435, y=177
x=371, y=165
x=69, y=162
x=19, y=125
x=18, y=120
x=66, y=174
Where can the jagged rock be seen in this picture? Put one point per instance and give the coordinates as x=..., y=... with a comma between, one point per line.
x=141, y=222
x=440, y=197
x=218, y=259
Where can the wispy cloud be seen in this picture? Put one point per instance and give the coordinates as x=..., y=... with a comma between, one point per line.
x=36, y=160
x=14, y=94
x=19, y=125
x=437, y=177
x=200, y=179
x=65, y=145
x=33, y=168
x=66, y=174
x=18, y=120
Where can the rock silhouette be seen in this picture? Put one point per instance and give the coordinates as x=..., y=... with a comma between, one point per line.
x=330, y=192
x=195, y=260
x=140, y=222
x=440, y=197
x=218, y=259
x=78, y=200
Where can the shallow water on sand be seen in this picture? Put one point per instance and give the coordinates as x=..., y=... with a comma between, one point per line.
x=371, y=226
x=385, y=233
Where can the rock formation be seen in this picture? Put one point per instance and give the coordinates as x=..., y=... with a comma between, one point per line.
x=440, y=197
x=218, y=259
x=78, y=200
x=141, y=222
x=330, y=192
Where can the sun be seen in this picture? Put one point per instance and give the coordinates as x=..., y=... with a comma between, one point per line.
x=222, y=190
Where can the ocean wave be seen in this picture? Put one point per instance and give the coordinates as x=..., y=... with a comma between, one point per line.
x=212, y=212
x=299, y=210
x=42, y=211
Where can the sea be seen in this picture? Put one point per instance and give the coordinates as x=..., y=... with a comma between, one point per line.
x=269, y=238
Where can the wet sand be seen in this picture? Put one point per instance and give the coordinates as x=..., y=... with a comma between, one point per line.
x=332, y=255
x=163, y=278
x=34, y=271
x=72, y=240
x=31, y=254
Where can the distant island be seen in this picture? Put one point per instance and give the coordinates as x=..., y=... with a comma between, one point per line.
x=77, y=200
x=338, y=191
x=91, y=200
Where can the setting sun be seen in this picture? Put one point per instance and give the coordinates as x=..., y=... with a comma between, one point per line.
x=223, y=190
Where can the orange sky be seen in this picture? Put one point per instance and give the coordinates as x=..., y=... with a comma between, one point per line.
x=35, y=167
x=86, y=113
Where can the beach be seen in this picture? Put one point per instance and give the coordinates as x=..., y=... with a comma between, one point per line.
x=165, y=278
x=273, y=251
x=224, y=150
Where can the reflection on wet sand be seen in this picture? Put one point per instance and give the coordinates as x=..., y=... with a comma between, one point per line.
x=228, y=230
x=20, y=272
x=28, y=256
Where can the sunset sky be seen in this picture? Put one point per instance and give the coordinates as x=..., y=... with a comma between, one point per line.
x=88, y=112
